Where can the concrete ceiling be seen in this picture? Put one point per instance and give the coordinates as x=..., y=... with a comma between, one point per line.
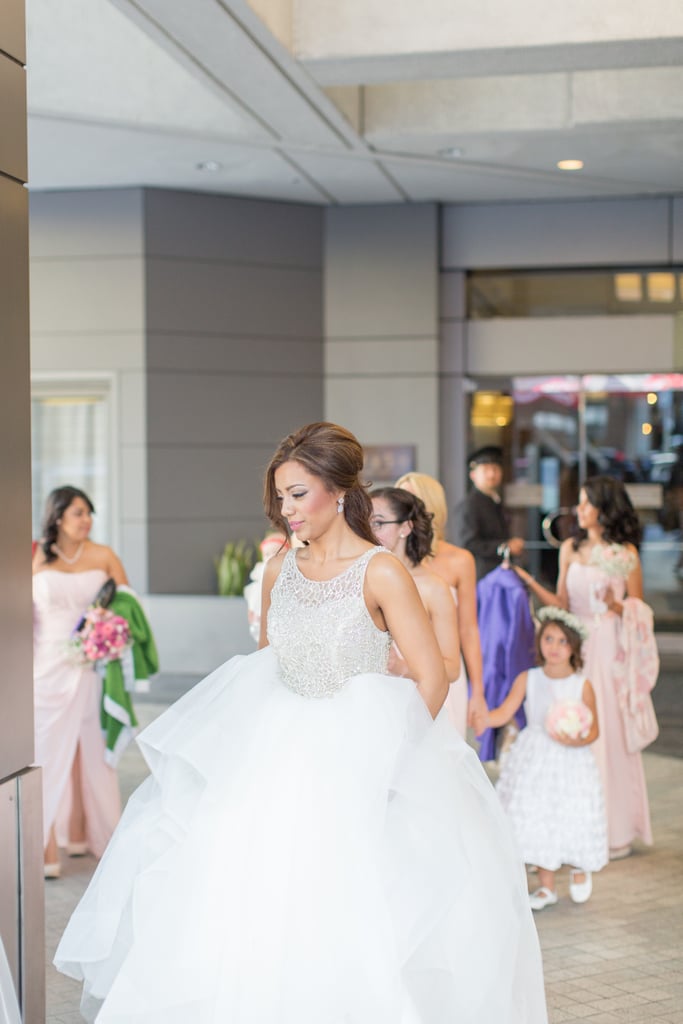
x=357, y=101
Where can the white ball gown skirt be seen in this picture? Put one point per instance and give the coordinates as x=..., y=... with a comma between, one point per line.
x=307, y=861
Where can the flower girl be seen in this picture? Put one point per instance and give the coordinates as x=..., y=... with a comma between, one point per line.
x=549, y=783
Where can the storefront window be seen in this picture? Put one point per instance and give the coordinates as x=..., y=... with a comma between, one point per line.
x=559, y=430
x=543, y=293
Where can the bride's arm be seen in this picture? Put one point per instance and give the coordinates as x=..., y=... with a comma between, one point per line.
x=392, y=596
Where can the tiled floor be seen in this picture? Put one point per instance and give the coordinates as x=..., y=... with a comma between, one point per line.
x=614, y=960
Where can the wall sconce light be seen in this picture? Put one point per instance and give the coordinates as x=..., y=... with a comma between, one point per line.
x=628, y=287
x=491, y=409
x=661, y=287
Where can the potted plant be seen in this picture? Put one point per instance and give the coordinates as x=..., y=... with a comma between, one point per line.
x=233, y=567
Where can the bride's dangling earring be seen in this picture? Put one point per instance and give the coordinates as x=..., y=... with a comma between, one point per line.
x=340, y=503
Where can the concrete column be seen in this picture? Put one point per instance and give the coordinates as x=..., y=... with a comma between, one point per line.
x=21, y=885
x=381, y=326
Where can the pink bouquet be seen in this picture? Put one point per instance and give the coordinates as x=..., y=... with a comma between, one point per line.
x=614, y=559
x=101, y=636
x=569, y=718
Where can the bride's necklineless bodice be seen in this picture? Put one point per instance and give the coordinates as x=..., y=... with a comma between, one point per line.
x=321, y=630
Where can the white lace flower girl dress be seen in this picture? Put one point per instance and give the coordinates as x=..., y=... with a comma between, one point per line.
x=552, y=792
x=310, y=848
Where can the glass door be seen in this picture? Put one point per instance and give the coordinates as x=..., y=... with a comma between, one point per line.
x=556, y=431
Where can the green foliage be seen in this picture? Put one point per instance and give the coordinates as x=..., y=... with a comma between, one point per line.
x=233, y=567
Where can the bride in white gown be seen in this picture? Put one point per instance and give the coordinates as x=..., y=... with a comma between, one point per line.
x=312, y=847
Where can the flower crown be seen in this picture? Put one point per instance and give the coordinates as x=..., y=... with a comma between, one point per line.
x=550, y=613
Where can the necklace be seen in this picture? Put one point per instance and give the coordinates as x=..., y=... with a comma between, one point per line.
x=69, y=561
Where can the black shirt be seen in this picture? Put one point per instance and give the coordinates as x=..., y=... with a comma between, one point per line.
x=481, y=527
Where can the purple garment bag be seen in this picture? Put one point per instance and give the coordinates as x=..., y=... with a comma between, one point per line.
x=507, y=642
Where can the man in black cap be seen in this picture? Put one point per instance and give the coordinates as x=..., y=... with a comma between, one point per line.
x=480, y=520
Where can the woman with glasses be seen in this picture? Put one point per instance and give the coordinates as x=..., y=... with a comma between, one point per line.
x=457, y=567
x=402, y=524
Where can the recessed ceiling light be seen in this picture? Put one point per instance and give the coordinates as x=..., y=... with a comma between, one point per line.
x=209, y=165
x=570, y=165
x=452, y=152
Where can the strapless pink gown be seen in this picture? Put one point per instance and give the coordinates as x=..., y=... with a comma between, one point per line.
x=623, y=778
x=67, y=709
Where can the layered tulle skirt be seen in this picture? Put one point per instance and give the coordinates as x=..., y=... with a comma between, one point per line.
x=553, y=796
x=307, y=861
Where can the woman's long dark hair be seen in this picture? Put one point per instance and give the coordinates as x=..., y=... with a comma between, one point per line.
x=56, y=505
x=616, y=515
x=335, y=456
x=406, y=506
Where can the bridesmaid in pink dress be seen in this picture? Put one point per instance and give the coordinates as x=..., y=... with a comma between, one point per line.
x=605, y=517
x=78, y=785
x=456, y=566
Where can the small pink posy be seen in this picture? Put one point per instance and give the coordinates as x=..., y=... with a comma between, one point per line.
x=569, y=718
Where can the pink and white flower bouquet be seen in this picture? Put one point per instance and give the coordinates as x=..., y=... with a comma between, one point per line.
x=101, y=636
x=571, y=719
x=613, y=559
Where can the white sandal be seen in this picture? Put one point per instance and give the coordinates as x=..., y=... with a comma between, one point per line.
x=541, y=898
x=580, y=891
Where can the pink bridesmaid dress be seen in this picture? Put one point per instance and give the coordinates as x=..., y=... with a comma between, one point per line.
x=67, y=700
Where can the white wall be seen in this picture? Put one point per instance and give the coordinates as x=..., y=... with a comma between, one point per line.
x=88, y=317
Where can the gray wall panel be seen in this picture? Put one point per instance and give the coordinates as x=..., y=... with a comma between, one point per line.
x=234, y=354
x=206, y=227
x=227, y=409
x=181, y=554
x=88, y=317
x=13, y=156
x=381, y=271
x=13, y=29
x=230, y=298
x=87, y=296
x=88, y=224
x=381, y=325
x=206, y=483
x=234, y=362
x=597, y=233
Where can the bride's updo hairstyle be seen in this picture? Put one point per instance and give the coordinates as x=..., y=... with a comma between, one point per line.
x=335, y=456
x=616, y=515
x=406, y=506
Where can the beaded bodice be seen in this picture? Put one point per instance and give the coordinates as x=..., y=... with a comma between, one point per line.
x=321, y=630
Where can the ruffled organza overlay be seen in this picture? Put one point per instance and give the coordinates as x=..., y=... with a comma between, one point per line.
x=307, y=861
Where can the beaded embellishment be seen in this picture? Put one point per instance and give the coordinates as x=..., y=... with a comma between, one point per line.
x=321, y=630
